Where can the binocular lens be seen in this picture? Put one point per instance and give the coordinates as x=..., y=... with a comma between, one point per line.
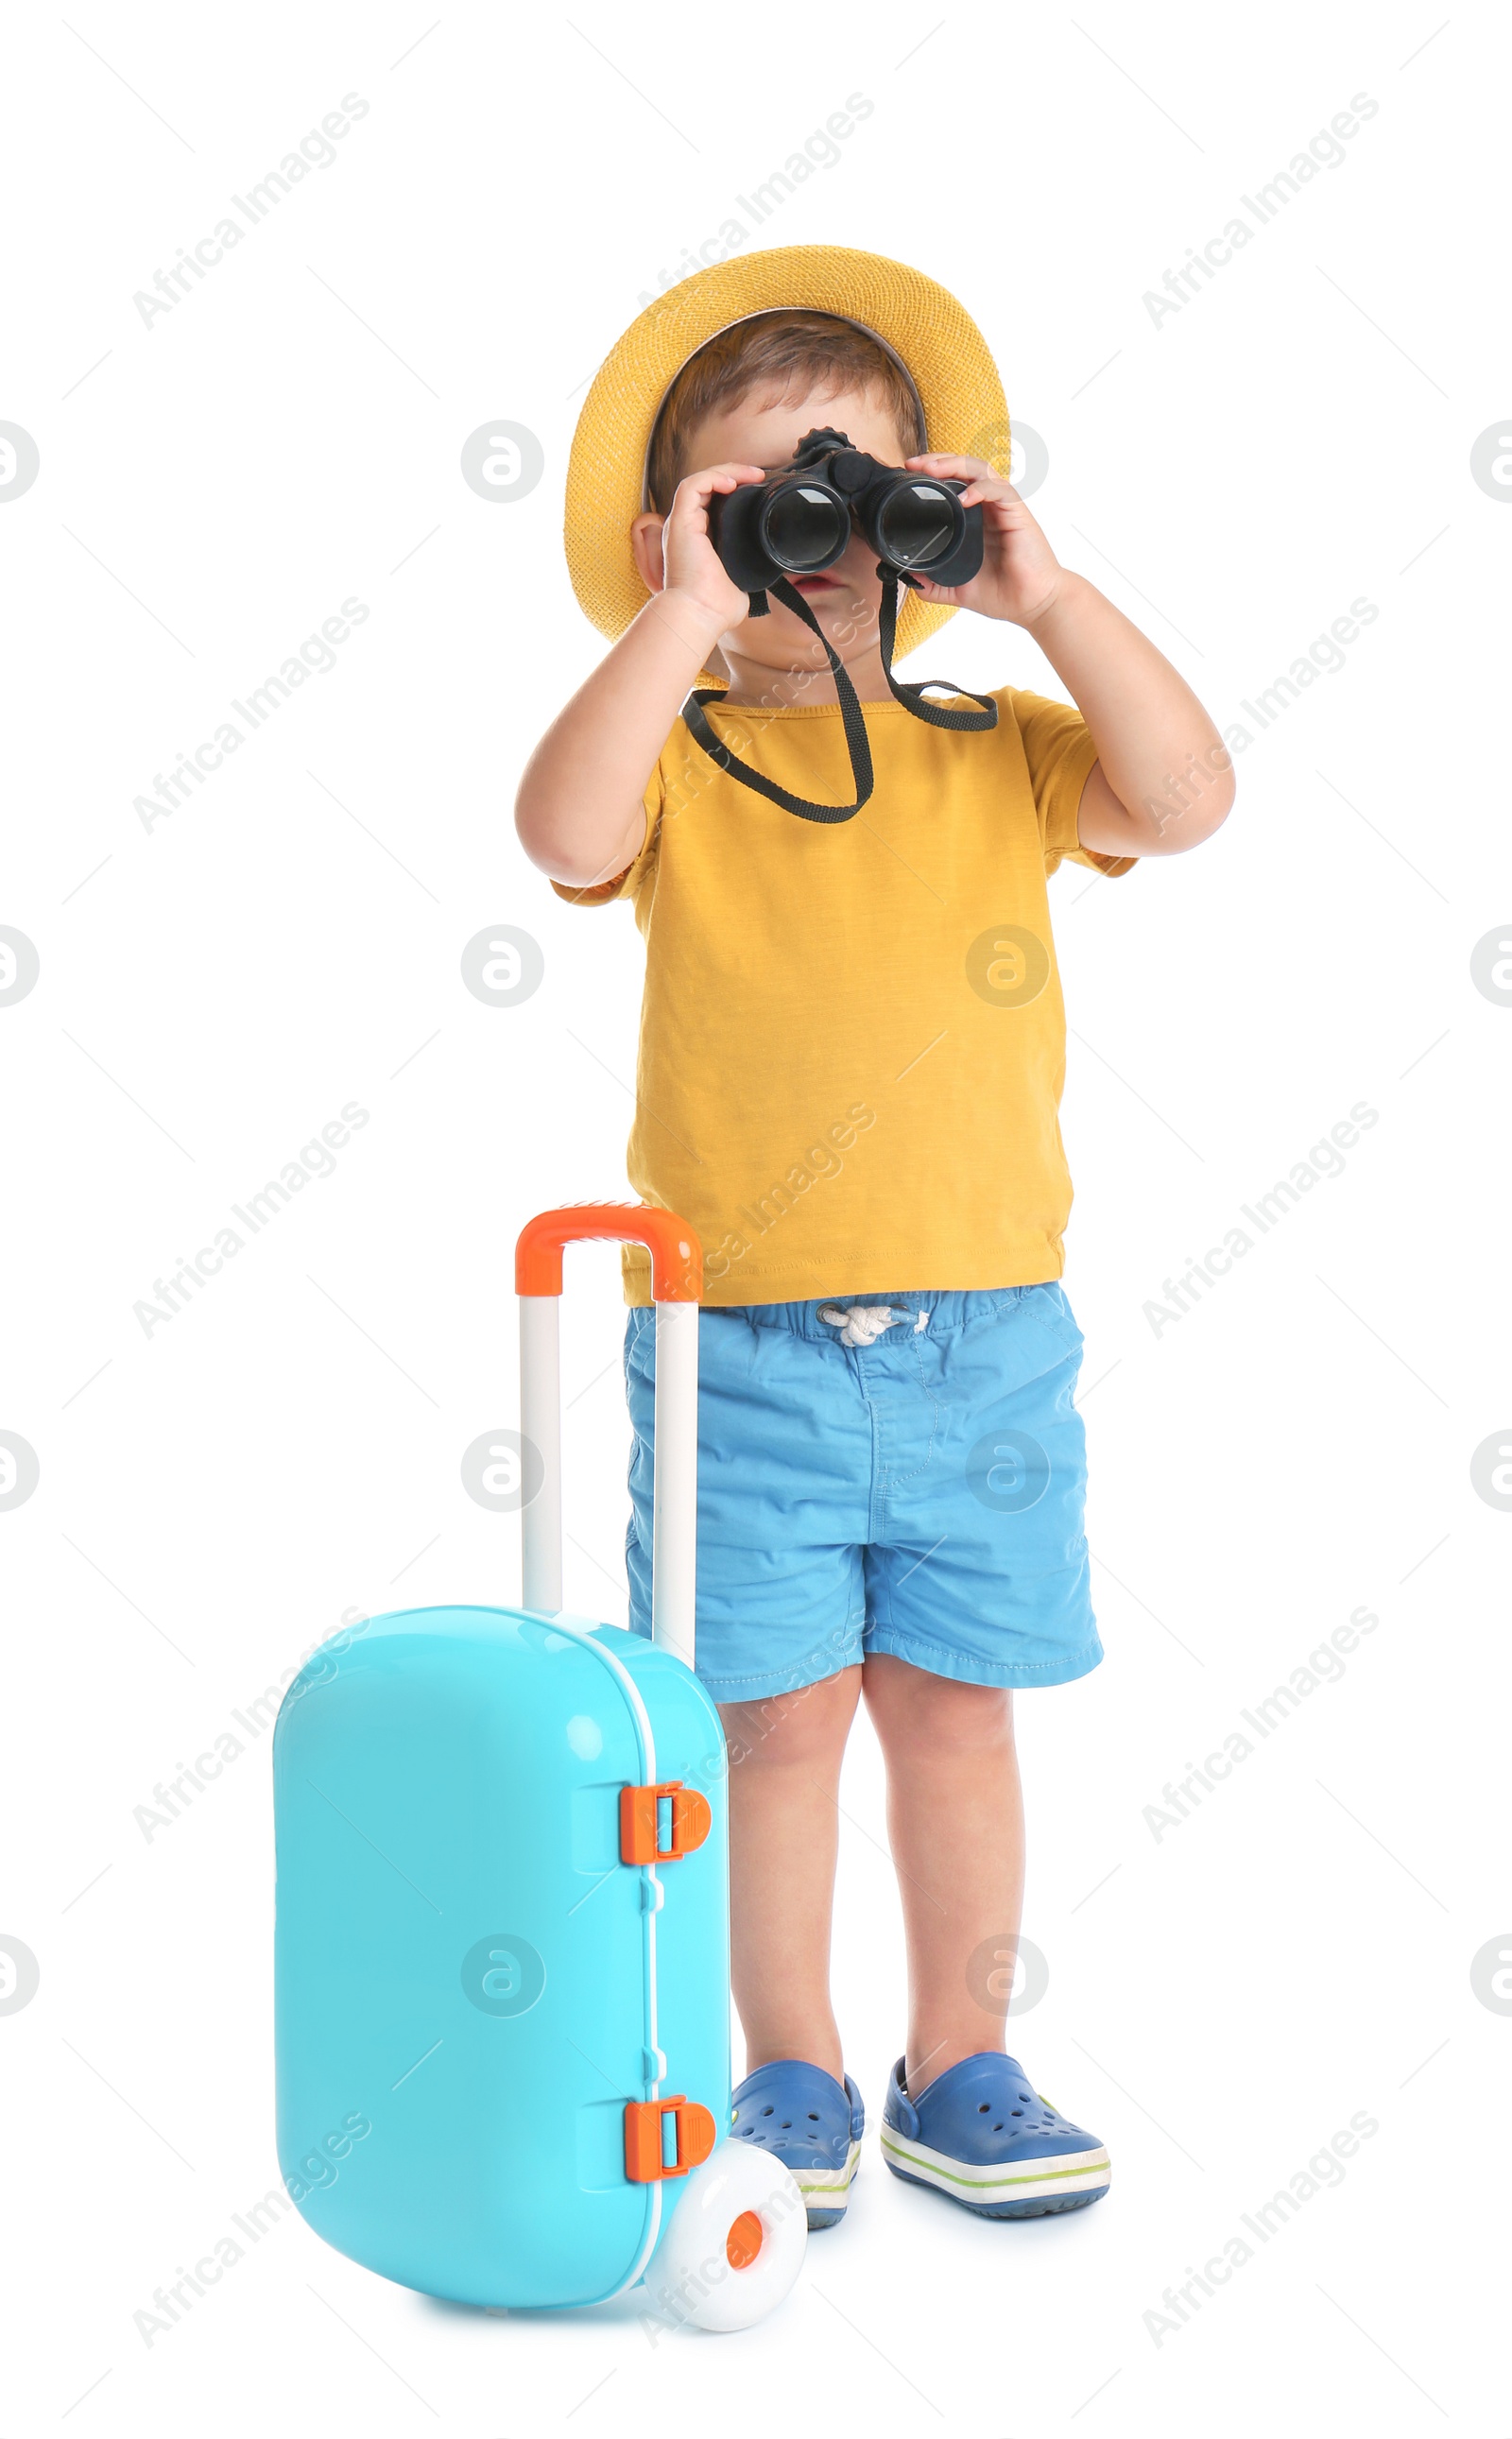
x=805, y=527
x=918, y=523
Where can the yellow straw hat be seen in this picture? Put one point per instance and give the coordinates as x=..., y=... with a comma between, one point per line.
x=934, y=337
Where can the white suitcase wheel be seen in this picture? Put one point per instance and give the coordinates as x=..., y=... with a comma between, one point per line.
x=735, y=2245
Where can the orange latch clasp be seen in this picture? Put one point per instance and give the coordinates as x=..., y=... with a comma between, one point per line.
x=693, y=2129
x=639, y=1814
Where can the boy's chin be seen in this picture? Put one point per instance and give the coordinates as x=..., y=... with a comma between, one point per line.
x=782, y=640
x=803, y=657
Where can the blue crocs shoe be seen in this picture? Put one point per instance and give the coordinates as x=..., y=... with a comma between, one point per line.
x=981, y=2134
x=800, y=2114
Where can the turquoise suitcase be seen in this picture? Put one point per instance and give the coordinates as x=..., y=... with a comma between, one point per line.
x=502, y=1947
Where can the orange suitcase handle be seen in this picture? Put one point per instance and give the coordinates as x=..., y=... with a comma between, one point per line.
x=677, y=1279
x=677, y=1259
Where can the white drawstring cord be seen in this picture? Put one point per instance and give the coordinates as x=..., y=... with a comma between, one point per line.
x=861, y=1325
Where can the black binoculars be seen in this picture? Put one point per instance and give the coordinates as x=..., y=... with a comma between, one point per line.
x=799, y=520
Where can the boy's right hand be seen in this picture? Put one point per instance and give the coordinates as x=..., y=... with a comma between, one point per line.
x=580, y=810
x=692, y=566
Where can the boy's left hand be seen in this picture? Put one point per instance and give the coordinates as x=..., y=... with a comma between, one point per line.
x=1019, y=575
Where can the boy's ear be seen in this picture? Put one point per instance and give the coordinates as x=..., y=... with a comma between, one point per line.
x=646, y=542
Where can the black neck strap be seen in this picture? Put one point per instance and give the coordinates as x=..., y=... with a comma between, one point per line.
x=857, y=744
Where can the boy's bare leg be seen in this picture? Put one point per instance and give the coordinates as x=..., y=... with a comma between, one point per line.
x=955, y=1817
x=785, y=1758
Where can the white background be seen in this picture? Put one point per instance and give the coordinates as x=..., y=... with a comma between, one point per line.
x=213, y=1497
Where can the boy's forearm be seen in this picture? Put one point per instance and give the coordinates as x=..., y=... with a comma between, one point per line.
x=578, y=809
x=1165, y=766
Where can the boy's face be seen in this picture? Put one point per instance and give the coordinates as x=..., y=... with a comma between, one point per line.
x=845, y=599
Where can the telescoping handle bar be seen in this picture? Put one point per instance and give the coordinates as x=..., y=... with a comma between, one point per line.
x=677, y=1278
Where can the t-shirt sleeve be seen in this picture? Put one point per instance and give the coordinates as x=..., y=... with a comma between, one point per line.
x=626, y=883
x=1058, y=748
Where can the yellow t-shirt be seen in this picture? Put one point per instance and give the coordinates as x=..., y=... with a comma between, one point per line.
x=852, y=1039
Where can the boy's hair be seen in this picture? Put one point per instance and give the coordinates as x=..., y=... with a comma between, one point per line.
x=769, y=350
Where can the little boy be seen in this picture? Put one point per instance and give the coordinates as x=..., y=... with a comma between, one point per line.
x=851, y=1055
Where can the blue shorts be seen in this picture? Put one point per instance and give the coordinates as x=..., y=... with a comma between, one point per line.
x=920, y=1495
